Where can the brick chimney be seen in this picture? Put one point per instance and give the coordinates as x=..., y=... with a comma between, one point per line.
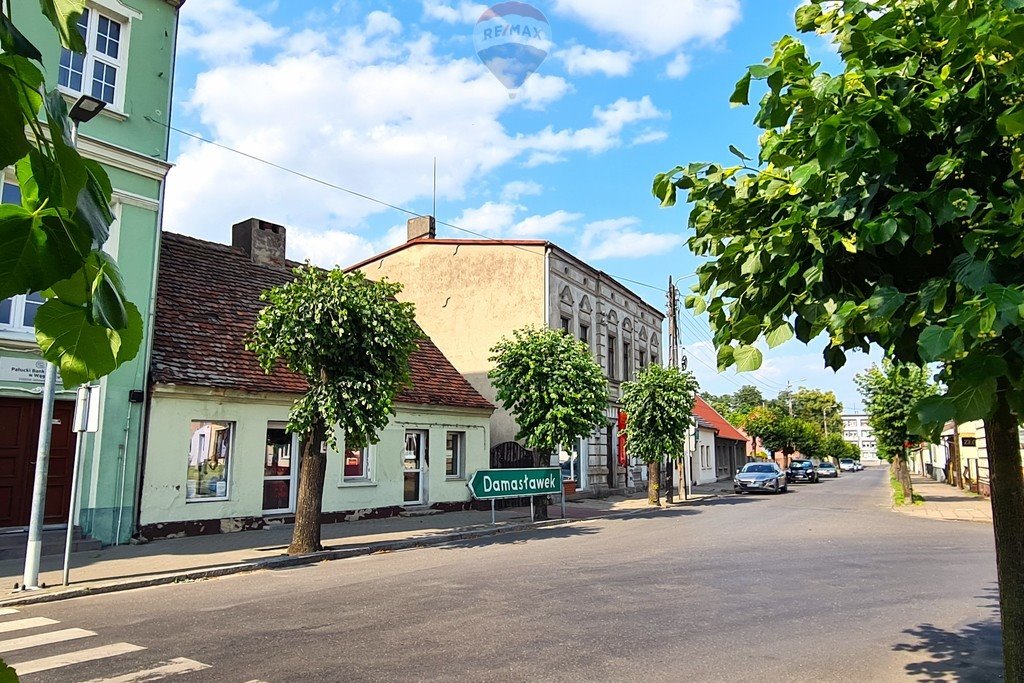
x=422, y=227
x=263, y=241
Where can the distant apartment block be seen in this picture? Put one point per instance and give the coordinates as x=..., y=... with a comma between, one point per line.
x=857, y=430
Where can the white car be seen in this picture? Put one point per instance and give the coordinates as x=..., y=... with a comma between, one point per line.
x=848, y=465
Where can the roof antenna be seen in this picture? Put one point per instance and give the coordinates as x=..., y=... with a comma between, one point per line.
x=434, y=214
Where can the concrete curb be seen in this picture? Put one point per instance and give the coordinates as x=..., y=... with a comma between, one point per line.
x=285, y=562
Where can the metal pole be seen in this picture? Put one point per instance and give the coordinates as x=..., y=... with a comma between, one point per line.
x=493, y=519
x=73, y=508
x=33, y=551
x=563, y=502
x=532, y=518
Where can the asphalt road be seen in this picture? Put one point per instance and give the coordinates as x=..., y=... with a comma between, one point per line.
x=825, y=583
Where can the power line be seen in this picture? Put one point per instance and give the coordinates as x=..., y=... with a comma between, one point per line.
x=362, y=195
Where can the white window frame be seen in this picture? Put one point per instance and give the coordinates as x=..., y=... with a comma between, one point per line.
x=123, y=15
x=16, y=328
x=460, y=457
x=292, y=478
x=369, y=468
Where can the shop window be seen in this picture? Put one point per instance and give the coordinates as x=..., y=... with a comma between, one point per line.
x=209, y=460
x=358, y=466
x=455, y=455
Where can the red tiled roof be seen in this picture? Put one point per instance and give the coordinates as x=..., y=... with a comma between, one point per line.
x=207, y=302
x=703, y=410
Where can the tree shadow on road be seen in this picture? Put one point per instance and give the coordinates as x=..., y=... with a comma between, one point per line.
x=973, y=652
x=519, y=538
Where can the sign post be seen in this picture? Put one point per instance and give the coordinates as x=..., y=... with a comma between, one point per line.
x=495, y=485
x=87, y=421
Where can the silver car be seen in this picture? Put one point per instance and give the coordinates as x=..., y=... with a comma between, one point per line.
x=760, y=476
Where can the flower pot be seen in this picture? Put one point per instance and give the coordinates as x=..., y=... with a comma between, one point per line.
x=569, y=487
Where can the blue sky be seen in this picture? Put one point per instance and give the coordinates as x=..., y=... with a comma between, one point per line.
x=364, y=95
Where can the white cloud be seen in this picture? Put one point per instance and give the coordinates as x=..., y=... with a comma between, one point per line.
x=328, y=249
x=501, y=220
x=656, y=27
x=520, y=188
x=461, y=13
x=622, y=238
x=492, y=218
x=649, y=137
x=550, y=144
x=222, y=31
x=543, y=226
x=585, y=61
x=378, y=23
x=679, y=67
x=367, y=109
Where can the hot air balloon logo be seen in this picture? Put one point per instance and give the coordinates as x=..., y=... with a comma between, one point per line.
x=512, y=40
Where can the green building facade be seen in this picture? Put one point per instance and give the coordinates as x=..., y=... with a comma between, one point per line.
x=129, y=65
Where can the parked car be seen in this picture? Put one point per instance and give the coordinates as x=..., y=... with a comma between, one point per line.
x=827, y=469
x=802, y=470
x=848, y=465
x=857, y=466
x=760, y=476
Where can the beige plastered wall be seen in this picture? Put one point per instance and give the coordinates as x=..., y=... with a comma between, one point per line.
x=173, y=410
x=468, y=297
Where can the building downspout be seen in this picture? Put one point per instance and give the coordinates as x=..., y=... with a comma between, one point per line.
x=151, y=323
x=547, y=286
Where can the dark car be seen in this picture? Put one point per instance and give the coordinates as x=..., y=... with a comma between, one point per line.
x=802, y=470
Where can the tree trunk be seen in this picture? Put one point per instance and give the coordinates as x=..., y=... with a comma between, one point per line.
x=540, y=503
x=903, y=475
x=669, y=471
x=654, y=483
x=1007, y=483
x=312, y=472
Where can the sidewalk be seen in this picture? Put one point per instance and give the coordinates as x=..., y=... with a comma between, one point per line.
x=942, y=501
x=136, y=566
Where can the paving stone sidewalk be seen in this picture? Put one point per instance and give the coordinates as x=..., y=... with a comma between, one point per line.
x=945, y=502
x=130, y=566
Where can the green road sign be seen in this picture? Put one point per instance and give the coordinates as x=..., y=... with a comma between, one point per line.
x=493, y=484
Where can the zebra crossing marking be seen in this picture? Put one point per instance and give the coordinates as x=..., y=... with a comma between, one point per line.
x=176, y=666
x=64, y=635
x=29, y=622
x=77, y=657
x=7, y=610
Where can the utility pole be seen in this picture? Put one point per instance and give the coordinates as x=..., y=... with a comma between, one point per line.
x=789, y=395
x=673, y=354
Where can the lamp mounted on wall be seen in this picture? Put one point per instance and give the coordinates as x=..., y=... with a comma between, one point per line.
x=86, y=108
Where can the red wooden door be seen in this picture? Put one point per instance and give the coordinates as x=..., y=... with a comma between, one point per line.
x=19, y=438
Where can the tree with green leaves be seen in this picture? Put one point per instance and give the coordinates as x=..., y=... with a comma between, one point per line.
x=659, y=405
x=52, y=242
x=885, y=208
x=891, y=393
x=779, y=432
x=852, y=451
x=351, y=339
x=553, y=386
x=736, y=406
x=834, y=448
x=813, y=406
